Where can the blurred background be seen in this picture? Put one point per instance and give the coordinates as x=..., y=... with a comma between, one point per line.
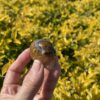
x=73, y=26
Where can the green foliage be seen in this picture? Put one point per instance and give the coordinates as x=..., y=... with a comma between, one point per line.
x=74, y=28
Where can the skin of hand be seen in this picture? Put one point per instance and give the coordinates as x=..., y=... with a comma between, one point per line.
x=38, y=84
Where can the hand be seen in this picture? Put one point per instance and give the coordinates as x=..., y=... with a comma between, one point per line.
x=38, y=84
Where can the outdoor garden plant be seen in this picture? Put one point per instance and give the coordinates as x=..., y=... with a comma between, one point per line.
x=72, y=26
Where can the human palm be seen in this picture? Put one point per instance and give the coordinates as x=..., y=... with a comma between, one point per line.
x=38, y=84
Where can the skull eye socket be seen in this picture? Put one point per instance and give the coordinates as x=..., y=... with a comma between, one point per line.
x=47, y=53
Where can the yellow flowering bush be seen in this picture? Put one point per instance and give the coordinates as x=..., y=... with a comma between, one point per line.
x=73, y=26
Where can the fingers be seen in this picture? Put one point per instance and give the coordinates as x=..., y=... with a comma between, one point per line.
x=32, y=82
x=49, y=82
x=13, y=74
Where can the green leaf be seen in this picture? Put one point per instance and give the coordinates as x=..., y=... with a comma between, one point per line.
x=6, y=66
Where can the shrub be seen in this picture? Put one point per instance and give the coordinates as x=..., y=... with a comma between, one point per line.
x=73, y=26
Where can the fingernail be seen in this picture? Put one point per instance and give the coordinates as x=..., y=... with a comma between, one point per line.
x=36, y=65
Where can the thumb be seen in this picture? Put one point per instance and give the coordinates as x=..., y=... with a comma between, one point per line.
x=32, y=82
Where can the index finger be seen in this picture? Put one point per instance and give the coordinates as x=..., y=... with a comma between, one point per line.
x=50, y=81
x=13, y=73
